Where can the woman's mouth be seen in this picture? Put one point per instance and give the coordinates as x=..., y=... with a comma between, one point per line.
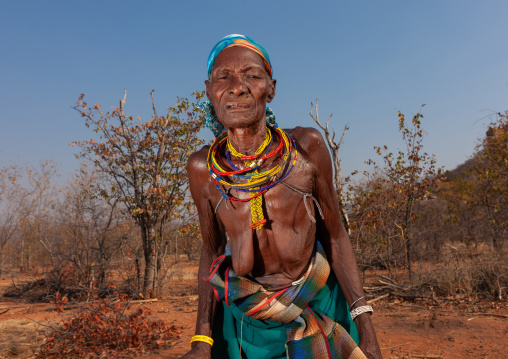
x=237, y=106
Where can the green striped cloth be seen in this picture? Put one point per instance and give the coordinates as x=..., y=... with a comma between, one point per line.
x=306, y=320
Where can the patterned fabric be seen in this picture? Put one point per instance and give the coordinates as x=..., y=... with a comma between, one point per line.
x=213, y=123
x=242, y=41
x=309, y=334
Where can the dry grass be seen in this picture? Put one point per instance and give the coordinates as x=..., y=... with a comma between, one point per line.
x=20, y=338
x=465, y=271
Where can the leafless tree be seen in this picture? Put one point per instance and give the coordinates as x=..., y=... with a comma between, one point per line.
x=11, y=200
x=334, y=149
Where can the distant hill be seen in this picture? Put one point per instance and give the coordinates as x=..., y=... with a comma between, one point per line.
x=460, y=170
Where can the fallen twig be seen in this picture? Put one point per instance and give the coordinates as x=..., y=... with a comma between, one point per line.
x=144, y=300
x=394, y=346
x=378, y=298
x=394, y=285
x=408, y=296
x=26, y=306
x=489, y=315
x=388, y=279
x=46, y=325
x=376, y=289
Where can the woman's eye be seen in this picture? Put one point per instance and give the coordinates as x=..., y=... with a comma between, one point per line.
x=221, y=76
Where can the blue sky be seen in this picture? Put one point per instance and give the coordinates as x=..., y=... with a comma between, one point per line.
x=364, y=60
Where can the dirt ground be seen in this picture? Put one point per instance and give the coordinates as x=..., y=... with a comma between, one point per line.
x=459, y=328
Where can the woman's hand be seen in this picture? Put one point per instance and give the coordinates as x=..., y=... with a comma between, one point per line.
x=370, y=348
x=368, y=340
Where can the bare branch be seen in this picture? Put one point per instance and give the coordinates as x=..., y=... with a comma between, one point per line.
x=346, y=127
x=334, y=148
x=153, y=104
x=123, y=101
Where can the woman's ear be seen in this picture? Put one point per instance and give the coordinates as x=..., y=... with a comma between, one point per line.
x=271, y=93
x=207, y=86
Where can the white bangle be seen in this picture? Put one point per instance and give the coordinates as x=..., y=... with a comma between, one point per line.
x=360, y=310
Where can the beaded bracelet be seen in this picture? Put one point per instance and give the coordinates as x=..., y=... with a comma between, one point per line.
x=360, y=310
x=202, y=338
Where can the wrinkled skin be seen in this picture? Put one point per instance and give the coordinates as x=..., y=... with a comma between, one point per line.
x=280, y=252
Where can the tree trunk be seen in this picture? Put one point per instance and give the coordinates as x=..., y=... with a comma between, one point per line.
x=334, y=149
x=28, y=258
x=22, y=256
x=388, y=260
x=176, y=249
x=149, y=279
x=158, y=278
x=497, y=243
x=497, y=237
x=101, y=277
x=138, y=276
x=343, y=214
x=408, y=256
x=1, y=263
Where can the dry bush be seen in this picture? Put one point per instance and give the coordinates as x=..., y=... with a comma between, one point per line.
x=466, y=272
x=107, y=328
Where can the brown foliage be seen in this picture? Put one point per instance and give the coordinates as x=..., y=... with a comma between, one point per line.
x=384, y=204
x=144, y=163
x=106, y=328
x=478, y=195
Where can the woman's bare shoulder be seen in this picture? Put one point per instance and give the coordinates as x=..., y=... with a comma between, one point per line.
x=197, y=161
x=310, y=141
x=199, y=176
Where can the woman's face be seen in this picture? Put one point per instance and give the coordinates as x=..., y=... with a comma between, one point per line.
x=239, y=87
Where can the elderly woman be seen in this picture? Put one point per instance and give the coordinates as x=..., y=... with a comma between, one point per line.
x=277, y=270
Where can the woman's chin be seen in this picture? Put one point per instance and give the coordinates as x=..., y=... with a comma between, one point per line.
x=238, y=119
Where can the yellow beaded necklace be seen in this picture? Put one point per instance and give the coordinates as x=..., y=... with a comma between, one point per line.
x=256, y=202
x=261, y=148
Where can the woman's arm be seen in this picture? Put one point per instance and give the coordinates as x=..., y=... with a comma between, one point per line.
x=336, y=241
x=214, y=241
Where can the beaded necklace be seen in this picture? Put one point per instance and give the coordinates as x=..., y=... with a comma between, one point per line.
x=250, y=165
x=257, y=182
x=261, y=148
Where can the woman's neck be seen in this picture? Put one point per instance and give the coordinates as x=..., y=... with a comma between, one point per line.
x=247, y=140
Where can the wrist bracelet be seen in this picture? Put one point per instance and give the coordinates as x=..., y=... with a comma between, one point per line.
x=356, y=301
x=202, y=338
x=360, y=310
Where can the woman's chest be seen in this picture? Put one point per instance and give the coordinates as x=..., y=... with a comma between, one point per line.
x=286, y=212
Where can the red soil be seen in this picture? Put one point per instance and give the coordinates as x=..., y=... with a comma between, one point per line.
x=451, y=329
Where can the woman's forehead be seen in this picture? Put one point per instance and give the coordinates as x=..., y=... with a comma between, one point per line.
x=238, y=57
x=236, y=40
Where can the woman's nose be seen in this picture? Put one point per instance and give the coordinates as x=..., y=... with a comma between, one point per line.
x=238, y=86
